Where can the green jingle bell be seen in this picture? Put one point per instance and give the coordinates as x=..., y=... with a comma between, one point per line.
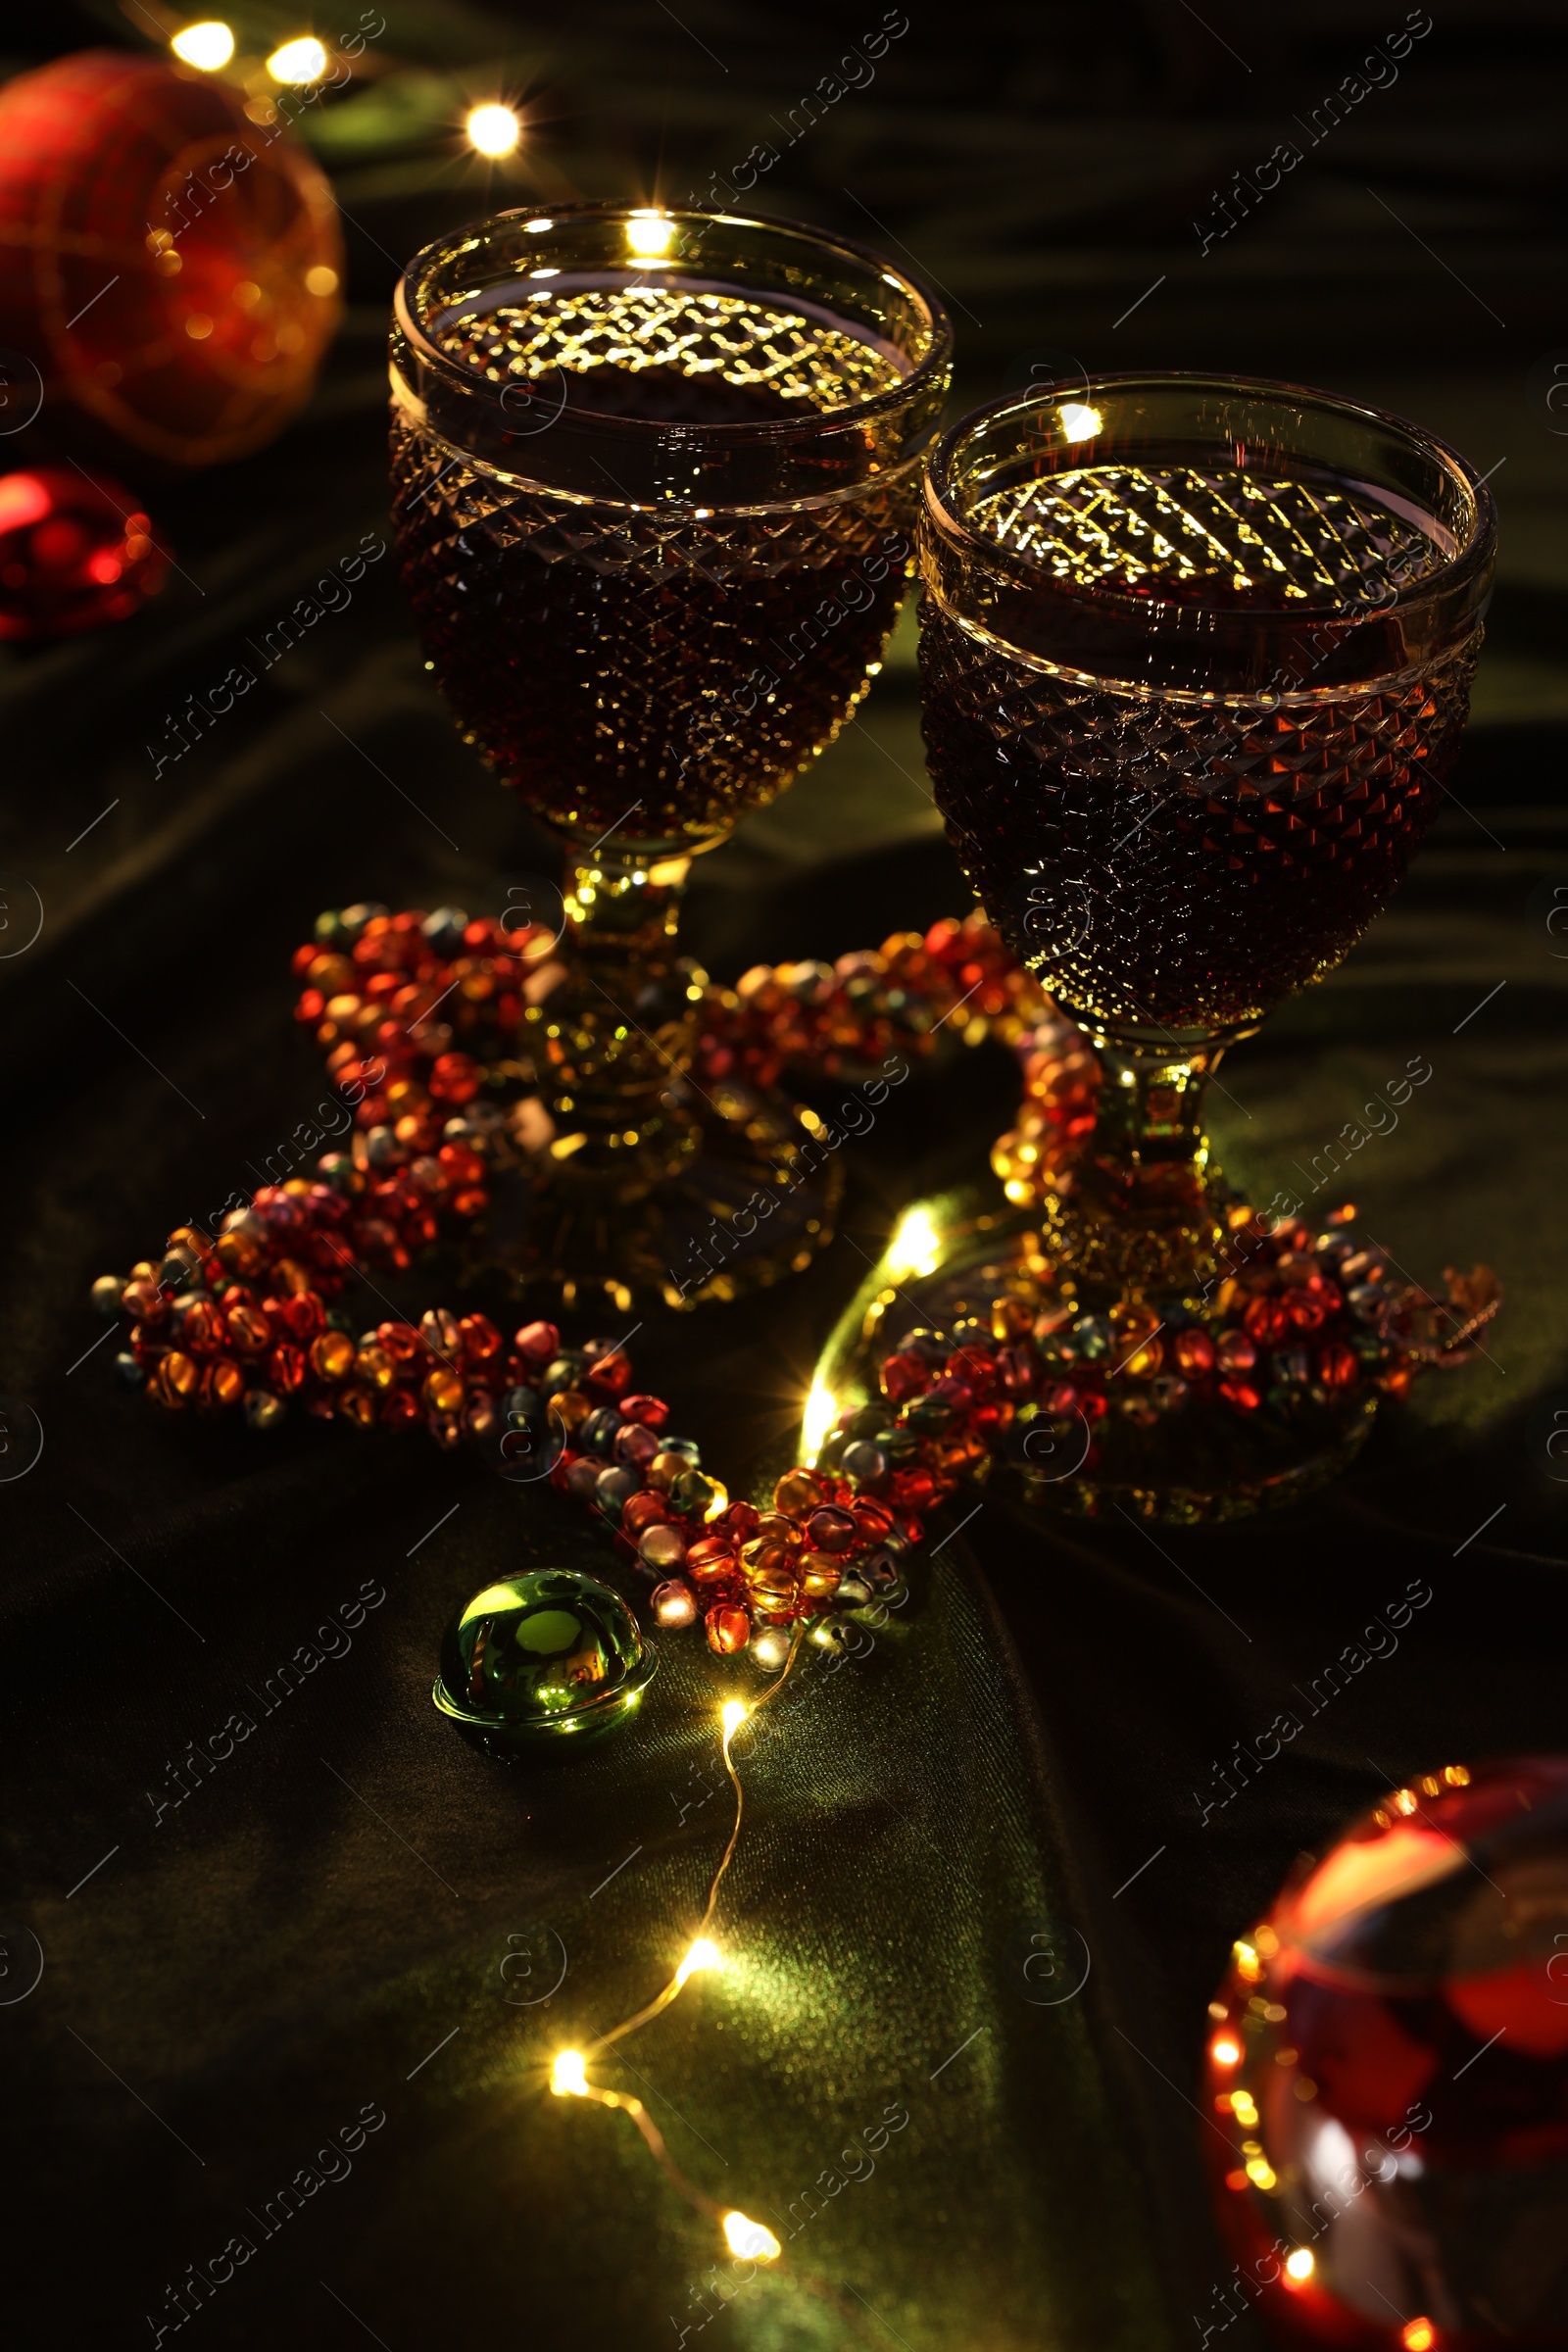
x=539, y=1659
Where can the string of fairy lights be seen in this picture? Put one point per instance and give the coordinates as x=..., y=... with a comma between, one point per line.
x=302, y=62
x=748, y=2241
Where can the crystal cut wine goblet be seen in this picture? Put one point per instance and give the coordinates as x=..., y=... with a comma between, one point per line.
x=1195, y=659
x=656, y=478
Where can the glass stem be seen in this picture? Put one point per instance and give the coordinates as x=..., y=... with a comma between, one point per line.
x=1148, y=1150
x=617, y=1035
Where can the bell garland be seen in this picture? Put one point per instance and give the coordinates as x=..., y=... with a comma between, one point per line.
x=375, y=984
x=251, y=1319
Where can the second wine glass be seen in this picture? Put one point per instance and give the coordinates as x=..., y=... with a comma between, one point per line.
x=1196, y=663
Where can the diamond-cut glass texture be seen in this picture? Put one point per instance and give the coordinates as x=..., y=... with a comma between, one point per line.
x=1210, y=535
x=1159, y=859
x=658, y=669
x=670, y=333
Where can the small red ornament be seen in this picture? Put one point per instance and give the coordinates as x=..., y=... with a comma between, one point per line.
x=170, y=261
x=539, y=1342
x=729, y=1628
x=643, y=1510
x=74, y=554
x=1268, y=1321
x=710, y=1560
x=874, y=1519
x=610, y=1375
x=902, y=1377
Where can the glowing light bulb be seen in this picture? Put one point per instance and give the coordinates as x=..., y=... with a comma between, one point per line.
x=705, y=1953
x=569, y=2076
x=494, y=130
x=650, y=235
x=732, y=1715
x=1418, y=2335
x=1301, y=2264
x=298, y=62
x=1224, y=2052
x=749, y=2241
x=821, y=1412
x=916, y=1245
x=208, y=46
x=1078, y=423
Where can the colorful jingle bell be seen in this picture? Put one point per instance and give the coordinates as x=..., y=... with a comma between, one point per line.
x=537, y=1660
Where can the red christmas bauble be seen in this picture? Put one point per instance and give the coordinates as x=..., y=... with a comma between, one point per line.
x=169, y=259
x=1387, y=2076
x=74, y=554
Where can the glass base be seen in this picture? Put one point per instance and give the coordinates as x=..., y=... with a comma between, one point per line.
x=1144, y=1458
x=751, y=1197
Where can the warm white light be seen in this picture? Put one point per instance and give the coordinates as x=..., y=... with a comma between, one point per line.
x=1225, y=2051
x=733, y=1714
x=1079, y=423
x=749, y=2241
x=299, y=62
x=207, y=47
x=1301, y=2264
x=915, y=1248
x=494, y=130
x=821, y=1412
x=569, y=2075
x=649, y=235
x=705, y=1953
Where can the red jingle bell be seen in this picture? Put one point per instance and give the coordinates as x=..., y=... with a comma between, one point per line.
x=729, y=1628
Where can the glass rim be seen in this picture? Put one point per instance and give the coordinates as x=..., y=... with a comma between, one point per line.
x=1444, y=578
x=754, y=433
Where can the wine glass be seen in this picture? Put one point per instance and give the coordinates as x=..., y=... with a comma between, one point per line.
x=656, y=478
x=1195, y=660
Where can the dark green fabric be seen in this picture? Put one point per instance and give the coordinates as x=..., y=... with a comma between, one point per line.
x=1018, y=1773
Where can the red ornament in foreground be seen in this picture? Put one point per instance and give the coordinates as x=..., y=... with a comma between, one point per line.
x=1388, y=2078
x=74, y=554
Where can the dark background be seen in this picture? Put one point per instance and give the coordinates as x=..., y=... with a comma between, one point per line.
x=239, y=1977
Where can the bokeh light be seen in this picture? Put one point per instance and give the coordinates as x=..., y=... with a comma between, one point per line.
x=494, y=130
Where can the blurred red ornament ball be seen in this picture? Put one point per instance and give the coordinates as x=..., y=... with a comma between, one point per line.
x=169, y=260
x=74, y=554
